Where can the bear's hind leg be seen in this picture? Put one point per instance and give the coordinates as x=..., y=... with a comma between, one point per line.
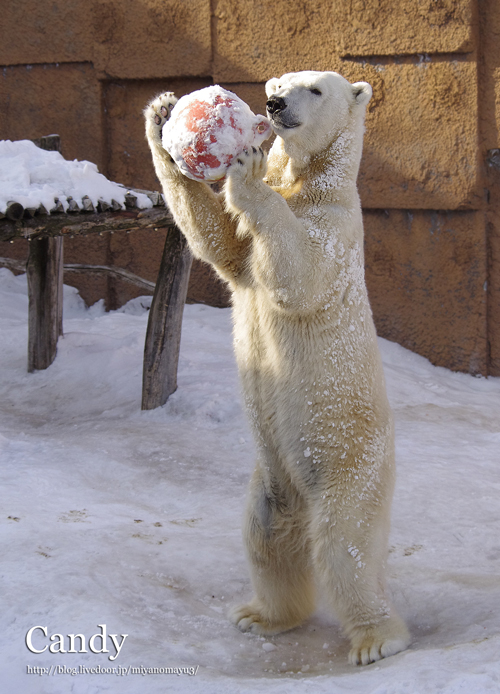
x=350, y=564
x=279, y=553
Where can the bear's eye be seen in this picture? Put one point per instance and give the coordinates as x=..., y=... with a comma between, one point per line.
x=313, y=90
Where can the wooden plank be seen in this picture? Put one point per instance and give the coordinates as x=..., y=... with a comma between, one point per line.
x=45, y=291
x=83, y=224
x=163, y=335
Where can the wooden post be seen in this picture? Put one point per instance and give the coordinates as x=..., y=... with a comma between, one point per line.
x=45, y=289
x=45, y=292
x=163, y=335
x=51, y=143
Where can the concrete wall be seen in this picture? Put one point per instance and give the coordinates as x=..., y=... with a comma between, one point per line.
x=429, y=183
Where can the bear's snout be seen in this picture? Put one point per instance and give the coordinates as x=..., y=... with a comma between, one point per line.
x=275, y=104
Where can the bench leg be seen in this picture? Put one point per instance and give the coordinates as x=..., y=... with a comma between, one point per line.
x=163, y=336
x=45, y=292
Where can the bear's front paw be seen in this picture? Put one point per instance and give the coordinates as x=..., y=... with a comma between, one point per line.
x=250, y=165
x=157, y=114
x=245, y=190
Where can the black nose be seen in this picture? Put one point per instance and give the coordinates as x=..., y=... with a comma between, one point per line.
x=275, y=104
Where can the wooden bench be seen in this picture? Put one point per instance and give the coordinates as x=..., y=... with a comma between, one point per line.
x=45, y=234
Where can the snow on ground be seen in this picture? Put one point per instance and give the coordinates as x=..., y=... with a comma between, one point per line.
x=132, y=519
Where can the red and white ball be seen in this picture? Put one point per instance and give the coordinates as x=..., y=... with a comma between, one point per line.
x=208, y=128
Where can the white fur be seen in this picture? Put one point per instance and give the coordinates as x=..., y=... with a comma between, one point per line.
x=290, y=245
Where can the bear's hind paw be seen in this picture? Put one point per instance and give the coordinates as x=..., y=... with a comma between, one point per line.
x=375, y=645
x=251, y=618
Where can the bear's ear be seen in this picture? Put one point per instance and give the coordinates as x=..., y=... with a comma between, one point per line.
x=362, y=92
x=271, y=86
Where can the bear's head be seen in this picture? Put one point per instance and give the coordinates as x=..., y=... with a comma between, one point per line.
x=309, y=110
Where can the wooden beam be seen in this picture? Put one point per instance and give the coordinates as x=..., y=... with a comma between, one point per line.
x=45, y=291
x=83, y=224
x=116, y=272
x=163, y=335
x=13, y=265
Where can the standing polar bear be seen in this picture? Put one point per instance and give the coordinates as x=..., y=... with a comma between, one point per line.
x=287, y=236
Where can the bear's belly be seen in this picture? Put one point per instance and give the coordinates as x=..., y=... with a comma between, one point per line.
x=309, y=393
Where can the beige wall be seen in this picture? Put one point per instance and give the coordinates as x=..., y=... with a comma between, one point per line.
x=431, y=202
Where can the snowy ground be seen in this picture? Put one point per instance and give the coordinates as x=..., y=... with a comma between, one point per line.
x=132, y=519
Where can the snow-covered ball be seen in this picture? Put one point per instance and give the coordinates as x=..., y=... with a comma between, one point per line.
x=208, y=128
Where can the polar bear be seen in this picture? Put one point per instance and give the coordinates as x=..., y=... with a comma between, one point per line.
x=287, y=236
